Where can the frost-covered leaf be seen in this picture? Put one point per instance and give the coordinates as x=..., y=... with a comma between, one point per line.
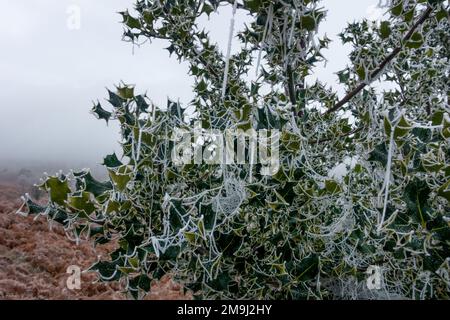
x=58, y=189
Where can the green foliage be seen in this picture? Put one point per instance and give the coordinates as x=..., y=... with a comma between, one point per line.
x=305, y=232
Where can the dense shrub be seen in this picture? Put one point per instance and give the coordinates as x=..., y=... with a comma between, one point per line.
x=363, y=180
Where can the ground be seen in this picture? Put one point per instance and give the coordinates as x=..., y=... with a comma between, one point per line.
x=34, y=259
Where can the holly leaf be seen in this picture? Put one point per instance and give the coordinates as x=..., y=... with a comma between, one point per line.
x=82, y=202
x=111, y=161
x=58, y=189
x=416, y=41
x=120, y=176
x=141, y=103
x=416, y=197
x=175, y=109
x=101, y=113
x=126, y=92
x=379, y=154
x=308, y=23
x=385, y=29
x=91, y=185
x=115, y=100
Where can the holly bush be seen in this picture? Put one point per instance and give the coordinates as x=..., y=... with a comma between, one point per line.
x=363, y=180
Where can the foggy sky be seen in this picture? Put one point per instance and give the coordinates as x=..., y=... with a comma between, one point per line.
x=49, y=74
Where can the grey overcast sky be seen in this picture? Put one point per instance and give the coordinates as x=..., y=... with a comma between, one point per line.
x=49, y=74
